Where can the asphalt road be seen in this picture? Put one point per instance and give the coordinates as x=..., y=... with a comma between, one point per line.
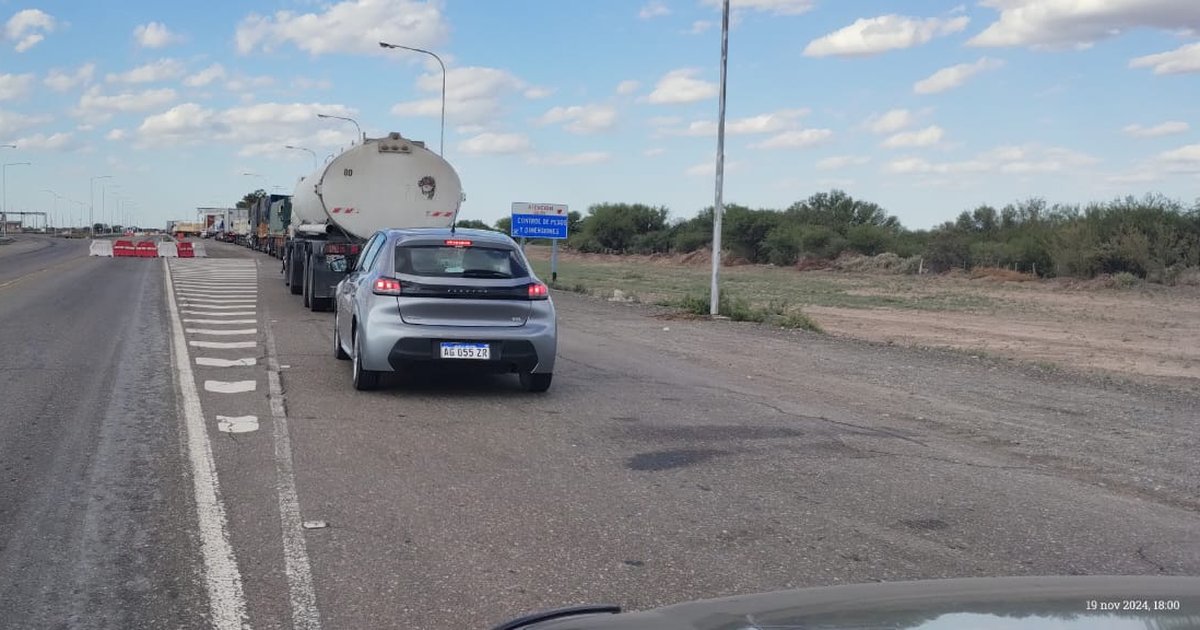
x=672, y=460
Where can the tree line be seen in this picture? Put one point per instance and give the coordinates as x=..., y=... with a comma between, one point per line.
x=1152, y=237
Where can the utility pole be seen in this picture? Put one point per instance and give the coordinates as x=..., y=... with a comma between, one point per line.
x=442, y=142
x=719, y=205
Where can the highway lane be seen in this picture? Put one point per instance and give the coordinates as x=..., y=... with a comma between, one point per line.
x=97, y=526
x=672, y=460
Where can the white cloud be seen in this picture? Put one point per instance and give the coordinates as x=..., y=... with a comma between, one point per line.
x=244, y=83
x=770, y=122
x=581, y=119
x=570, y=159
x=1080, y=23
x=709, y=169
x=94, y=105
x=117, y=135
x=28, y=27
x=42, y=142
x=1021, y=160
x=61, y=80
x=1140, y=176
x=251, y=126
x=777, y=7
x=796, y=139
x=473, y=94
x=162, y=70
x=654, y=151
x=1168, y=128
x=682, y=86
x=926, y=137
x=954, y=76
x=1184, y=59
x=699, y=27
x=1185, y=159
x=842, y=161
x=14, y=86
x=653, y=9
x=869, y=36
x=351, y=26
x=495, y=144
x=628, y=87
x=12, y=122
x=154, y=35
x=536, y=92
x=215, y=72
x=890, y=121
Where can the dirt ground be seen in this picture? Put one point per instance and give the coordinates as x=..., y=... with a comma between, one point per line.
x=1145, y=330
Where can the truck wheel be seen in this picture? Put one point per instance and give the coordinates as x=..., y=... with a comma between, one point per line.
x=307, y=290
x=294, y=271
x=364, y=380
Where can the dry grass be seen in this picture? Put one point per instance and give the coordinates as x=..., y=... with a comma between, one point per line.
x=1002, y=275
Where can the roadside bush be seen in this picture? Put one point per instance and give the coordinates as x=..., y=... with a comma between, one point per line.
x=783, y=244
x=869, y=239
x=1124, y=280
x=822, y=242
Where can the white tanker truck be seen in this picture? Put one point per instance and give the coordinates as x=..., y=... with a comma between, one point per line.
x=389, y=182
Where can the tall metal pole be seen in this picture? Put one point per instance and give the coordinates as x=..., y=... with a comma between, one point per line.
x=314, y=153
x=361, y=136
x=442, y=141
x=719, y=205
x=92, y=202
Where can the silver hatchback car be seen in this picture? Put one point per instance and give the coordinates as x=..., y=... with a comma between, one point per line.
x=418, y=297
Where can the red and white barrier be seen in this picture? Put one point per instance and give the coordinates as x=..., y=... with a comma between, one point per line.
x=101, y=247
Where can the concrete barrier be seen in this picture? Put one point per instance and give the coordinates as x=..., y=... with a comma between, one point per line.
x=101, y=247
x=167, y=249
x=198, y=250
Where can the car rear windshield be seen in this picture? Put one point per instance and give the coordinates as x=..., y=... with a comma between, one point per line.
x=443, y=261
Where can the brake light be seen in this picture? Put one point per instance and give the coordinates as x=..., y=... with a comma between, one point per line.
x=387, y=286
x=458, y=243
x=538, y=291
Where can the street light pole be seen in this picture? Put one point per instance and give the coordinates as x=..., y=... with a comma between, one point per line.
x=442, y=142
x=4, y=195
x=362, y=136
x=53, y=205
x=719, y=205
x=314, y=153
x=92, y=202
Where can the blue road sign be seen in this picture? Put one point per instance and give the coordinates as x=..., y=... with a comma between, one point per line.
x=539, y=226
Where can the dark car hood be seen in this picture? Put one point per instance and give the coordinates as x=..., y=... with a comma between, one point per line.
x=1061, y=603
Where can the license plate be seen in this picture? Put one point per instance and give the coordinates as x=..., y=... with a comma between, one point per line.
x=480, y=351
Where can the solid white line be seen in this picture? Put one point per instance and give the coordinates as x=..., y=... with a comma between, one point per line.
x=209, y=331
x=230, y=387
x=222, y=344
x=219, y=313
x=217, y=285
x=219, y=307
x=220, y=321
x=209, y=293
x=238, y=303
x=214, y=362
x=223, y=582
x=305, y=615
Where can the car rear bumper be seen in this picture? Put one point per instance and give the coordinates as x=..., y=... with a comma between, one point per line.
x=392, y=345
x=507, y=355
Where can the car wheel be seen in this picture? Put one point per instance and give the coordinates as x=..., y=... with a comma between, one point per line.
x=535, y=382
x=363, y=379
x=338, y=351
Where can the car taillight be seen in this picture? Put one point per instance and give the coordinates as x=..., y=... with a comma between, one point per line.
x=538, y=291
x=458, y=243
x=387, y=286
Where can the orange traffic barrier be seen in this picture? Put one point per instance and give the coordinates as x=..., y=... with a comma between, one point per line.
x=124, y=248
x=147, y=249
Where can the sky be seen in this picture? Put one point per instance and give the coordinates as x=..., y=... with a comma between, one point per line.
x=926, y=107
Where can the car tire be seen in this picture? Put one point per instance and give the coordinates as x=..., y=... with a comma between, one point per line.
x=338, y=352
x=538, y=383
x=364, y=380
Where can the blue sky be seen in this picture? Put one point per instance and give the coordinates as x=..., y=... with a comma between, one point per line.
x=926, y=107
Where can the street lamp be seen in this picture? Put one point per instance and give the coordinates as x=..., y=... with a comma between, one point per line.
x=104, y=191
x=92, y=202
x=4, y=195
x=442, y=144
x=361, y=135
x=719, y=204
x=295, y=148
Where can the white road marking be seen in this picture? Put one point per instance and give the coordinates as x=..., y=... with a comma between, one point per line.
x=217, y=287
x=209, y=331
x=223, y=582
x=220, y=307
x=218, y=313
x=218, y=294
x=230, y=387
x=220, y=321
x=305, y=615
x=222, y=344
x=215, y=362
x=237, y=424
x=238, y=303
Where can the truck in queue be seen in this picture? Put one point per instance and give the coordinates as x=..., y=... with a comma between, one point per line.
x=388, y=182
